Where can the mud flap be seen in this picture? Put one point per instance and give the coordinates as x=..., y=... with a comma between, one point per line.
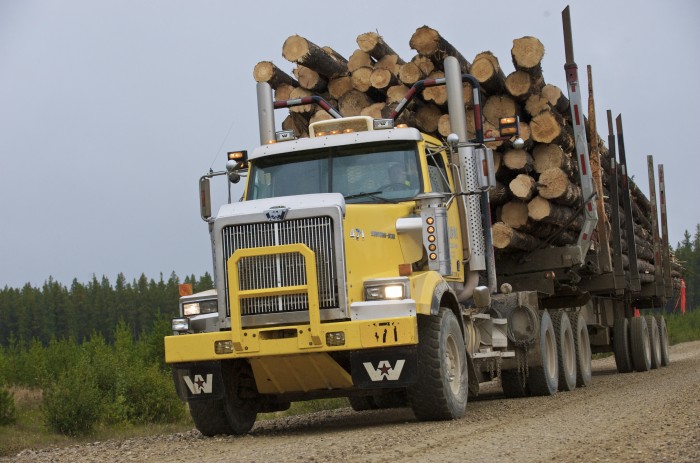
x=384, y=368
x=198, y=381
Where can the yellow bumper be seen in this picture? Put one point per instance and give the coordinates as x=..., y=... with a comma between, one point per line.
x=291, y=340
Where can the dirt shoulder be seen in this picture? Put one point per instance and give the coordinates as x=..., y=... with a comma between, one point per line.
x=653, y=416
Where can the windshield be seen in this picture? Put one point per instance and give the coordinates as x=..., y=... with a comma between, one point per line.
x=365, y=174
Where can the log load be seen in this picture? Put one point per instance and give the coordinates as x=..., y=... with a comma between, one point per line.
x=537, y=198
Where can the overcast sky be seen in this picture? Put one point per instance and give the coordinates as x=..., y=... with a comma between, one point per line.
x=111, y=110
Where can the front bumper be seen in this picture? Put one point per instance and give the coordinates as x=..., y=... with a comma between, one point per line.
x=295, y=339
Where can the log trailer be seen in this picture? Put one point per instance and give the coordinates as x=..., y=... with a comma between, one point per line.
x=359, y=264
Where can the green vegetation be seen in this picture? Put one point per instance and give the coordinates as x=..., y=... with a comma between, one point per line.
x=684, y=327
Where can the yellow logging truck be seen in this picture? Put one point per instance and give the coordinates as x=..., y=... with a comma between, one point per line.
x=359, y=264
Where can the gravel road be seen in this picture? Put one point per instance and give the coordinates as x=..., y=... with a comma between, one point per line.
x=653, y=416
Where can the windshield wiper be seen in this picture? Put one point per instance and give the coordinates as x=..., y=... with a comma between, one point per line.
x=371, y=194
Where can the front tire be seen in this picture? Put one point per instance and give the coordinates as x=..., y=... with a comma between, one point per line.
x=441, y=391
x=209, y=417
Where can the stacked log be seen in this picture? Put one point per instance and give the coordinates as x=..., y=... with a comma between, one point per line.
x=537, y=201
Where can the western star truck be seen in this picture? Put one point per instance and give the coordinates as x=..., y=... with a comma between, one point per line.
x=359, y=264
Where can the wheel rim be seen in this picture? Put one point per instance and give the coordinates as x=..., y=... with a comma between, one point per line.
x=550, y=363
x=453, y=367
x=569, y=352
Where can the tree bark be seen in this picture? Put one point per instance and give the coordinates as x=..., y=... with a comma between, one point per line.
x=520, y=85
x=266, y=71
x=542, y=210
x=548, y=155
x=298, y=123
x=353, y=102
x=428, y=42
x=554, y=184
x=556, y=99
x=339, y=86
x=382, y=79
x=299, y=50
x=410, y=73
x=310, y=79
x=549, y=127
x=527, y=54
x=283, y=92
x=505, y=237
x=427, y=117
x=373, y=44
x=359, y=59
x=487, y=70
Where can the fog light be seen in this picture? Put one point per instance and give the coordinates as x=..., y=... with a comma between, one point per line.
x=181, y=325
x=335, y=338
x=223, y=347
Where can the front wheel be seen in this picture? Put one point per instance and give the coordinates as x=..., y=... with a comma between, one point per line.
x=440, y=392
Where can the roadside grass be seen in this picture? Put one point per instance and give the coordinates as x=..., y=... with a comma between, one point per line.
x=30, y=430
x=683, y=327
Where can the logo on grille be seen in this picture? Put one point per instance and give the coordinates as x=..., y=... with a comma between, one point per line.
x=276, y=214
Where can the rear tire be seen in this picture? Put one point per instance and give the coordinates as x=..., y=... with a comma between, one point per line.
x=441, y=391
x=655, y=342
x=621, y=345
x=566, y=351
x=663, y=338
x=641, y=346
x=544, y=379
x=582, y=344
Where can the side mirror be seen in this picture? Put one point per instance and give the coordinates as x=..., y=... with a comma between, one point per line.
x=204, y=199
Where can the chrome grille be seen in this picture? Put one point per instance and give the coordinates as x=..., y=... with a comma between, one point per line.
x=278, y=270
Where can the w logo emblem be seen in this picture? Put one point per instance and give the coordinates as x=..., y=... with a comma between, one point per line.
x=384, y=370
x=276, y=214
x=199, y=385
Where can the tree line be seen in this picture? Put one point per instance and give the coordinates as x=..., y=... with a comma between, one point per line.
x=82, y=310
x=688, y=252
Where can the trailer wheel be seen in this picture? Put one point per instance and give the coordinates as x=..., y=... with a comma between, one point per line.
x=655, y=342
x=209, y=417
x=544, y=378
x=441, y=391
x=621, y=345
x=582, y=344
x=514, y=383
x=566, y=351
x=241, y=398
x=663, y=338
x=641, y=346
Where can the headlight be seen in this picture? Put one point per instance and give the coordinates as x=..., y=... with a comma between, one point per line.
x=200, y=307
x=377, y=290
